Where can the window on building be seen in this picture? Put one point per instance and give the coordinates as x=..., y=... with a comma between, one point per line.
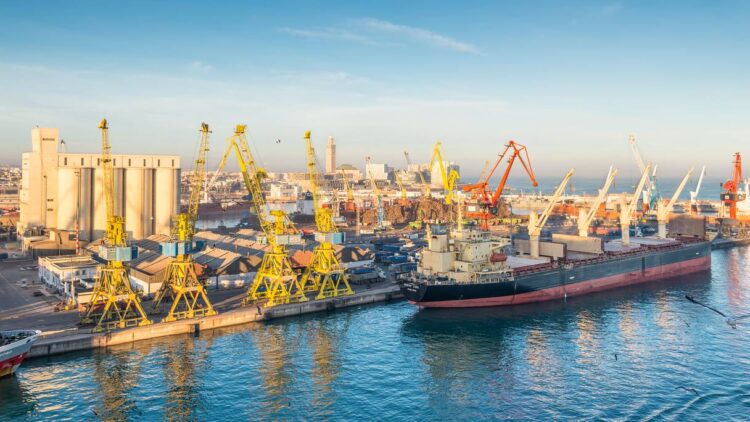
x=65, y=161
x=172, y=163
x=129, y=162
x=158, y=163
x=81, y=160
x=144, y=162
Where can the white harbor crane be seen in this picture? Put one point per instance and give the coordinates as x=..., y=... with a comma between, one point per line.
x=662, y=211
x=537, y=222
x=651, y=193
x=628, y=208
x=694, y=194
x=585, y=218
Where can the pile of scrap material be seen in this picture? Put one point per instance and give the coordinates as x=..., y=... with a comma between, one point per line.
x=397, y=214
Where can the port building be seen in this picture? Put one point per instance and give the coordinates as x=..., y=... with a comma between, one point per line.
x=61, y=192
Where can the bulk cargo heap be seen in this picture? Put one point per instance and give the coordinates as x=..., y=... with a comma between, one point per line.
x=464, y=268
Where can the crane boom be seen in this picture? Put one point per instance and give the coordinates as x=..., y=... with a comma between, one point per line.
x=449, y=178
x=585, y=218
x=323, y=217
x=694, y=194
x=400, y=184
x=536, y=228
x=628, y=208
x=662, y=211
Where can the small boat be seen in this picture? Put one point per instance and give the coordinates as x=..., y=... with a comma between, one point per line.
x=14, y=346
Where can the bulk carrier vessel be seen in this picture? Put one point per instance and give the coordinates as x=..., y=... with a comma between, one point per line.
x=464, y=268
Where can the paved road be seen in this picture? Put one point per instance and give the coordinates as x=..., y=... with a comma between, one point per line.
x=20, y=309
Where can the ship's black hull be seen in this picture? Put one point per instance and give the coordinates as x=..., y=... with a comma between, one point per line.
x=555, y=283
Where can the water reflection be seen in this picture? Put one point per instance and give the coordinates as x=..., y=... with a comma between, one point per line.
x=182, y=369
x=276, y=365
x=116, y=375
x=326, y=345
x=15, y=400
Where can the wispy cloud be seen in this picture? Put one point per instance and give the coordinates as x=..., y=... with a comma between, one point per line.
x=611, y=8
x=333, y=34
x=421, y=35
x=198, y=66
x=376, y=30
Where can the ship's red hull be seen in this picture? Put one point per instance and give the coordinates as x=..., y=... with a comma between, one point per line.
x=581, y=288
x=9, y=366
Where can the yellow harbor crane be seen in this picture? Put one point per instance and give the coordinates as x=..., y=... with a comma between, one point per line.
x=324, y=273
x=449, y=178
x=378, y=195
x=401, y=187
x=113, y=303
x=275, y=280
x=181, y=284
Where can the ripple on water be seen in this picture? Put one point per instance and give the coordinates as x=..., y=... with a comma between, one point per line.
x=634, y=353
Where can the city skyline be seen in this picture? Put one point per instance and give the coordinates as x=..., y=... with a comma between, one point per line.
x=569, y=81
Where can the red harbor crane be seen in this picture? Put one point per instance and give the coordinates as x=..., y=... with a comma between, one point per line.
x=730, y=194
x=486, y=200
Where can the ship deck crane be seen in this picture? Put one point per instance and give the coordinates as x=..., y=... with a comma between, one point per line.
x=537, y=222
x=651, y=194
x=426, y=191
x=585, y=218
x=378, y=195
x=628, y=209
x=694, y=194
x=730, y=194
x=663, y=210
x=449, y=178
x=350, y=205
x=275, y=281
x=487, y=203
x=181, y=285
x=324, y=273
x=113, y=303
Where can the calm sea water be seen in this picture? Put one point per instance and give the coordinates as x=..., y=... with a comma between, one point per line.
x=633, y=353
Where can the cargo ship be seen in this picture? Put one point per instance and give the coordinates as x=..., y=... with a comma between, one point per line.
x=466, y=268
x=14, y=346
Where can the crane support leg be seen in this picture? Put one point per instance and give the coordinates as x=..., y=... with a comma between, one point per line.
x=326, y=274
x=275, y=281
x=187, y=294
x=113, y=303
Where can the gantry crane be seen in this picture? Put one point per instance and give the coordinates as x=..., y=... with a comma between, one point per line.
x=449, y=178
x=113, y=303
x=585, y=218
x=275, y=280
x=694, y=193
x=487, y=203
x=730, y=194
x=628, y=208
x=426, y=190
x=181, y=284
x=324, y=273
x=663, y=210
x=537, y=222
x=378, y=194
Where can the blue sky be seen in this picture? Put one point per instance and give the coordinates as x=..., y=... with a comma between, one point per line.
x=570, y=80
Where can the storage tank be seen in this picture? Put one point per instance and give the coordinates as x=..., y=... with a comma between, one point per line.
x=85, y=212
x=67, y=196
x=100, y=204
x=166, y=190
x=136, y=189
x=148, y=202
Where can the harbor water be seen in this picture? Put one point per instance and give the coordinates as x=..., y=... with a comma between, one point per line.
x=633, y=353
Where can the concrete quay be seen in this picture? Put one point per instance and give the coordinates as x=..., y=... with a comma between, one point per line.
x=64, y=343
